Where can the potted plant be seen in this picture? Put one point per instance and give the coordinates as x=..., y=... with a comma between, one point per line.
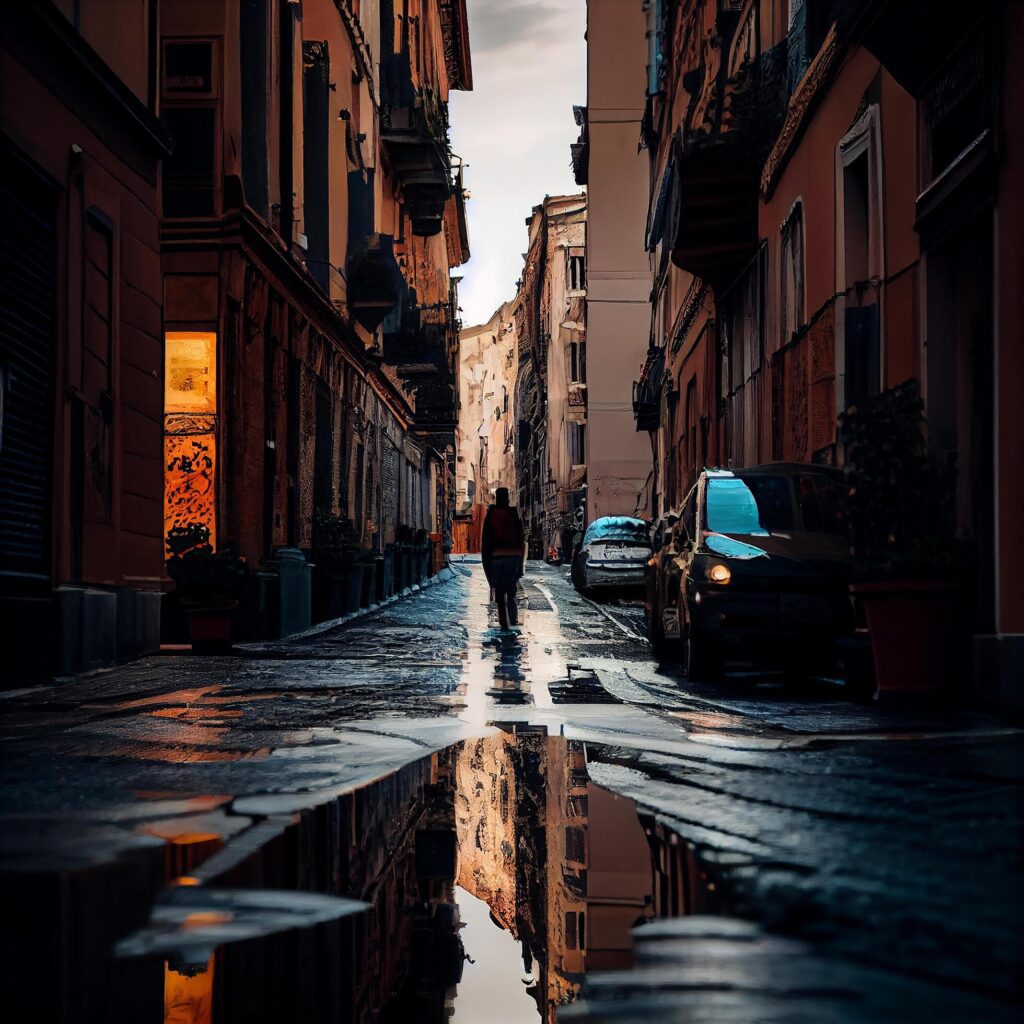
x=901, y=520
x=208, y=584
x=339, y=571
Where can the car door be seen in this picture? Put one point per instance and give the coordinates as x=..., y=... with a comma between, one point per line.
x=676, y=567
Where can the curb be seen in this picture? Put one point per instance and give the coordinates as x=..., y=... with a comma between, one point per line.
x=443, y=576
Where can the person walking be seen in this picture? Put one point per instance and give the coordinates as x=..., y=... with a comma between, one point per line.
x=502, y=549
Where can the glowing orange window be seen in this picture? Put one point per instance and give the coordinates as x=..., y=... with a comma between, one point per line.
x=190, y=439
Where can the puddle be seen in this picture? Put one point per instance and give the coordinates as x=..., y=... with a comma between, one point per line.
x=496, y=875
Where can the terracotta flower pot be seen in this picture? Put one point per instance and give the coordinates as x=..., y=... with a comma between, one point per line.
x=912, y=625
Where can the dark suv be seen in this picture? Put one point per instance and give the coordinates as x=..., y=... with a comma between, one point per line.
x=755, y=567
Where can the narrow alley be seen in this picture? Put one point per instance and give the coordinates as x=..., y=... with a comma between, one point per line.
x=338, y=765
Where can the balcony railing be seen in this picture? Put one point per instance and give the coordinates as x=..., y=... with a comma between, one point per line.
x=647, y=391
x=414, y=130
x=374, y=281
x=715, y=172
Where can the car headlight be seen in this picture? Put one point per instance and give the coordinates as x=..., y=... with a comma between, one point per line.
x=718, y=573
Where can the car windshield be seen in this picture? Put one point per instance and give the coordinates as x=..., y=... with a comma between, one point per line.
x=759, y=503
x=622, y=529
x=733, y=508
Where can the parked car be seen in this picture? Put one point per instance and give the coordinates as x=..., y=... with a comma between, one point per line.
x=754, y=567
x=613, y=553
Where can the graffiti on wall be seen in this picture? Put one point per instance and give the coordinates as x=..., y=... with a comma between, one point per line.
x=190, y=435
x=190, y=450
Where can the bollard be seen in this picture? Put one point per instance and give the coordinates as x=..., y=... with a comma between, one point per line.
x=296, y=590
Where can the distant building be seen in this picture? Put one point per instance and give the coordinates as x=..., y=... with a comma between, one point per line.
x=551, y=385
x=488, y=361
x=608, y=160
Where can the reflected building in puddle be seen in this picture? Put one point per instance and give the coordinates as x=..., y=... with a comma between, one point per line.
x=564, y=865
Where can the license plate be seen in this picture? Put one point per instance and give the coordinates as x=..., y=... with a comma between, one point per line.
x=615, y=555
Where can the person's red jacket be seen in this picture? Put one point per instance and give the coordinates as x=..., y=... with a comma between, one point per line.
x=503, y=535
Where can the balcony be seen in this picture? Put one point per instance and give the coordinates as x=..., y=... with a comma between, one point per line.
x=710, y=217
x=647, y=391
x=577, y=395
x=422, y=350
x=374, y=281
x=580, y=149
x=414, y=131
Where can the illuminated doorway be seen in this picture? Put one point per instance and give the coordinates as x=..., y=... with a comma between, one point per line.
x=190, y=440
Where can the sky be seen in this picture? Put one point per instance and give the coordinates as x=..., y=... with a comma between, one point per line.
x=493, y=987
x=513, y=131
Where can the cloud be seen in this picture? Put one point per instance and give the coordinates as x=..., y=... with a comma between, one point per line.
x=495, y=25
x=514, y=130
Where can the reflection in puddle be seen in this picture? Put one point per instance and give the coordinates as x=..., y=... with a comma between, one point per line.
x=498, y=980
x=564, y=865
x=188, y=993
x=496, y=874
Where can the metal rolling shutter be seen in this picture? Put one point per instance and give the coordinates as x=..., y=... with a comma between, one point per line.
x=28, y=302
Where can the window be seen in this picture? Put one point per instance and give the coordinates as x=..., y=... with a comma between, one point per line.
x=188, y=67
x=731, y=508
x=577, y=273
x=98, y=366
x=855, y=220
x=690, y=439
x=755, y=503
x=742, y=348
x=859, y=219
x=577, y=362
x=575, y=930
x=253, y=36
x=577, y=443
x=315, y=159
x=189, y=112
x=792, y=270
x=655, y=45
x=821, y=501
x=190, y=414
x=689, y=517
x=575, y=844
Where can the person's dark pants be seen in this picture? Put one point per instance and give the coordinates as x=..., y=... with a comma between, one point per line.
x=503, y=575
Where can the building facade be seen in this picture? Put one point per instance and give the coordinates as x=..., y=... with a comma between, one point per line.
x=242, y=320
x=618, y=287
x=485, y=459
x=826, y=218
x=312, y=258
x=551, y=382
x=81, y=348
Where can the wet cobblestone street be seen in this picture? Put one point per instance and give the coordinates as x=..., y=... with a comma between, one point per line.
x=811, y=858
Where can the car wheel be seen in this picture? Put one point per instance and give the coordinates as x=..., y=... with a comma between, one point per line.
x=579, y=577
x=701, y=659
